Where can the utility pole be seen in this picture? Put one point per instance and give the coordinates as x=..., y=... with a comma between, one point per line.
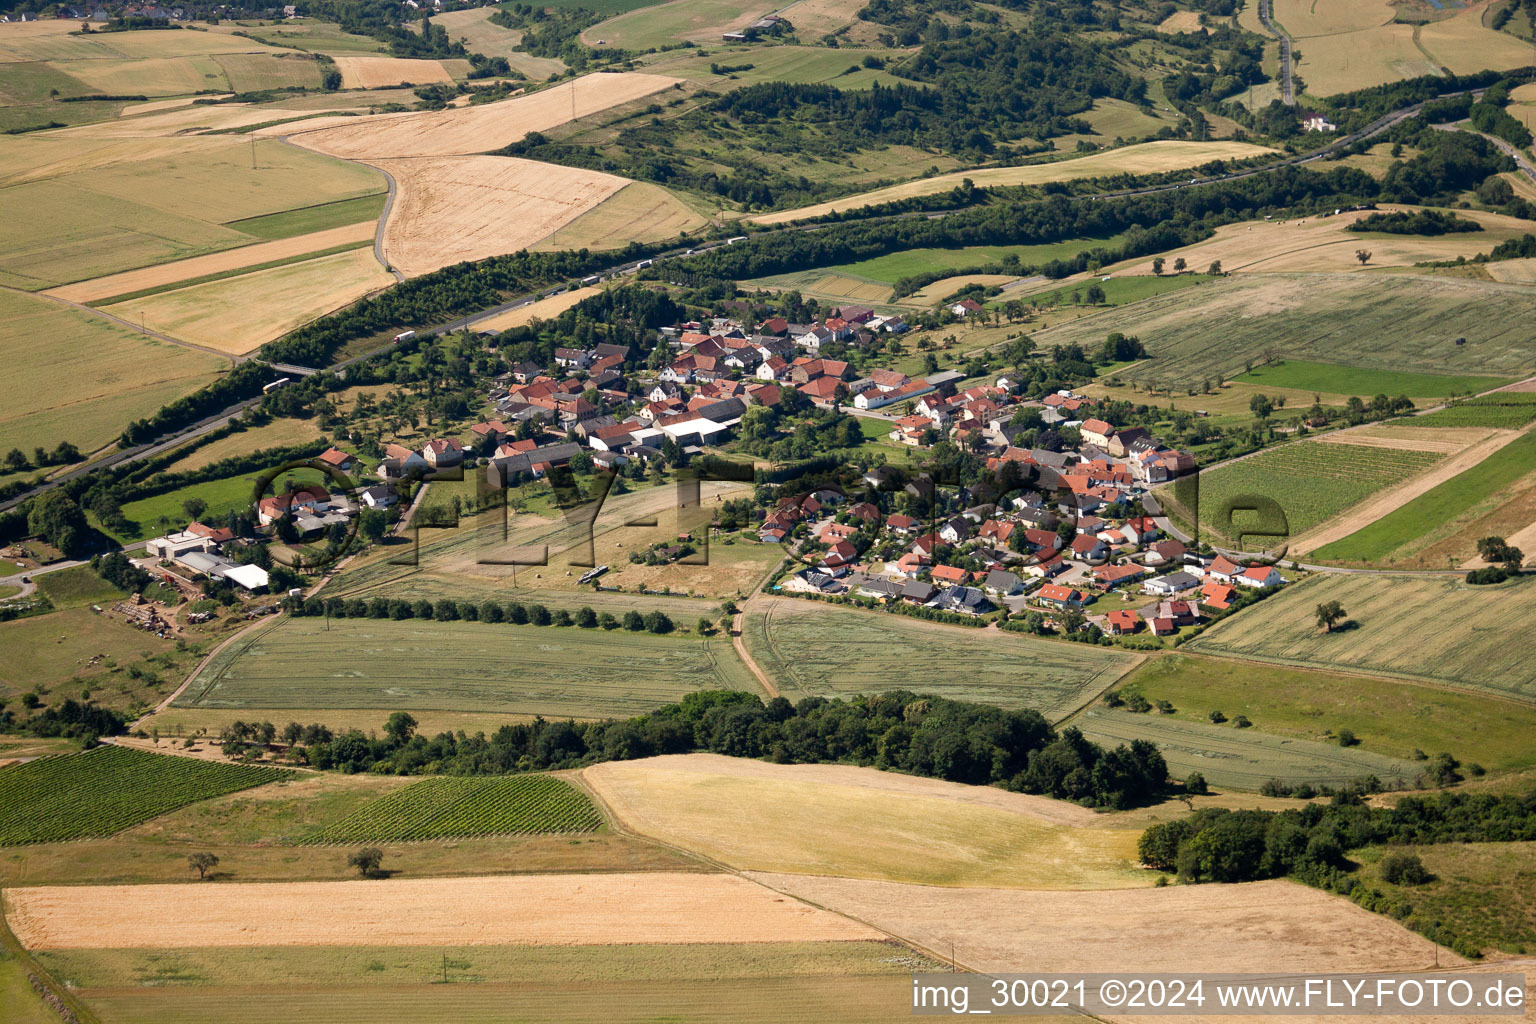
x=253, y=151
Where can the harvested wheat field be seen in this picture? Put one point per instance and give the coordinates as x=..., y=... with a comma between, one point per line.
x=100, y=288
x=1522, y=271
x=1325, y=245
x=1444, y=440
x=816, y=18
x=542, y=309
x=1274, y=926
x=865, y=823
x=239, y=314
x=639, y=212
x=1359, y=516
x=369, y=72
x=1303, y=18
x=516, y=910
x=154, y=106
x=1465, y=44
x=1144, y=158
x=478, y=129
x=451, y=209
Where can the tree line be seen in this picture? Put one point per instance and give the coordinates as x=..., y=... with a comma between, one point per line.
x=898, y=730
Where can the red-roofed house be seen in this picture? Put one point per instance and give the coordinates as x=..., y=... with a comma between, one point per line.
x=948, y=574
x=1122, y=621
x=840, y=553
x=1161, y=627
x=336, y=457
x=1260, y=577
x=1218, y=596
x=1059, y=597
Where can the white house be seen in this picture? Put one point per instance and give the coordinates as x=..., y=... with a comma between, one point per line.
x=1260, y=577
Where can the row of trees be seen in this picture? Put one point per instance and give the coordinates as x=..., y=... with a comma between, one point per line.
x=449, y=610
x=931, y=736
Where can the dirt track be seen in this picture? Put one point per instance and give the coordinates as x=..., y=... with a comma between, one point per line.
x=546, y=910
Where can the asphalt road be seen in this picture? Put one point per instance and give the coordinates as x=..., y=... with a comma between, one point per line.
x=1266, y=18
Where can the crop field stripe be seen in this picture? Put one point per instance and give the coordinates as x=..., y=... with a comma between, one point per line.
x=458, y=808
x=1312, y=481
x=101, y=792
x=1439, y=505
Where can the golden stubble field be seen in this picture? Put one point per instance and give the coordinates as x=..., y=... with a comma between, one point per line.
x=1144, y=158
x=458, y=131
x=450, y=209
x=371, y=72
x=1325, y=245
x=239, y=314
x=1274, y=926
x=529, y=910
x=864, y=823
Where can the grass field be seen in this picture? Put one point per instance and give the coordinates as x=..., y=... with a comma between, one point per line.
x=1146, y=158
x=238, y=314
x=1244, y=759
x=279, y=433
x=1333, y=379
x=92, y=207
x=1485, y=892
x=67, y=652
x=1444, y=504
x=74, y=377
x=253, y=72
x=1398, y=324
x=814, y=649
x=481, y=36
x=659, y=25
x=858, y=823
x=1118, y=291
x=1390, y=717
x=406, y=665
x=1483, y=646
x=449, y=808
x=1310, y=480
x=77, y=587
x=309, y=219
x=102, y=792
x=845, y=982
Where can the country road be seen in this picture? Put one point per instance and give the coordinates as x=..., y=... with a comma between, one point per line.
x=1287, y=86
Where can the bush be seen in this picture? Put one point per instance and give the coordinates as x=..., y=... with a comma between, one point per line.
x=1347, y=738
x=1195, y=783
x=1403, y=869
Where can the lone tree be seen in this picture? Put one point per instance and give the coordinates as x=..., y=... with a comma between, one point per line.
x=1329, y=614
x=366, y=860
x=1157, y=265
x=194, y=508
x=1215, y=270
x=1363, y=255
x=202, y=862
x=1179, y=265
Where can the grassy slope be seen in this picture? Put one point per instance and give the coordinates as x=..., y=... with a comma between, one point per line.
x=1349, y=380
x=1388, y=716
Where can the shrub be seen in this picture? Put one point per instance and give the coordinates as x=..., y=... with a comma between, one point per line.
x=1403, y=869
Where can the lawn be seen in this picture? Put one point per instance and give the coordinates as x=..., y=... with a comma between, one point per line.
x=164, y=511
x=813, y=649
x=1242, y=759
x=74, y=377
x=104, y=791
x=77, y=587
x=468, y=666
x=1331, y=378
x=1388, y=716
x=1439, y=505
x=1482, y=635
x=1399, y=323
x=1311, y=481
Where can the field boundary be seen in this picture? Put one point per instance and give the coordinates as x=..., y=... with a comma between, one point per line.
x=39, y=975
